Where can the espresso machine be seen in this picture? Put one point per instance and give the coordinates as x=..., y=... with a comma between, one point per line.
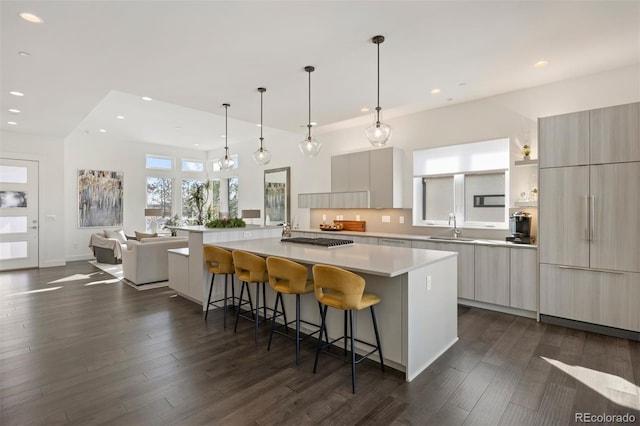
x=520, y=228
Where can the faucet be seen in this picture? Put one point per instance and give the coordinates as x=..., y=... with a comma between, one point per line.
x=456, y=231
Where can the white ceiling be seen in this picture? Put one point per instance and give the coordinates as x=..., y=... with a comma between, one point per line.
x=93, y=60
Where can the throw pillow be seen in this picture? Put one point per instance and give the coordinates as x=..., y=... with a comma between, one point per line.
x=117, y=234
x=141, y=235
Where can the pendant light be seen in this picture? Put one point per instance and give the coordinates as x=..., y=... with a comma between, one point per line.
x=227, y=162
x=262, y=156
x=378, y=133
x=309, y=147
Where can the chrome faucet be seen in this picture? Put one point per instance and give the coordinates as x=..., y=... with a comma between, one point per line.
x=456, y=231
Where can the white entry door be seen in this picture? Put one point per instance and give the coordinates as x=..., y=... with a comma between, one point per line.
x=18, y=214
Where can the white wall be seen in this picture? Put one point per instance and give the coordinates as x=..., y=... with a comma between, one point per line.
x=97, y=152
x=49, y=152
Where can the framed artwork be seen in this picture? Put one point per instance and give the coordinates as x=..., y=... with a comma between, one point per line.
x=277, y=196
x=99, y=198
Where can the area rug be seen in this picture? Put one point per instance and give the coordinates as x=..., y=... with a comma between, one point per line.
x=116, y=271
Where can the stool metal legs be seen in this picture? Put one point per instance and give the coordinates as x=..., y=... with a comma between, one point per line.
x=255, y=314
x=233, y=297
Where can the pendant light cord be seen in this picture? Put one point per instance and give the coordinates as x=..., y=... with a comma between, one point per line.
x=309, y=122
x=378, y=106
x=226, y=145
x=261, y=138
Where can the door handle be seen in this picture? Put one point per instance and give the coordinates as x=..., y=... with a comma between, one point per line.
x=579, y=268
x=587, y=234
x=34, y=227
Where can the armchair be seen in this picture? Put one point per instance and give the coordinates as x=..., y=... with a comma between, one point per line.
x=108, y=245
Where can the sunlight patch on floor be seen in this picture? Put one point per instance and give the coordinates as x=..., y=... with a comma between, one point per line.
x=40, y=290
x=75, y=277
x=111, y=281
x=614, y=388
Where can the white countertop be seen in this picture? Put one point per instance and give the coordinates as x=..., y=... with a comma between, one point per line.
x=365, y=258
x=461, y=240
x=203, y=229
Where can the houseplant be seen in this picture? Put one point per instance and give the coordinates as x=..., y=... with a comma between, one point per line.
x=172, y=221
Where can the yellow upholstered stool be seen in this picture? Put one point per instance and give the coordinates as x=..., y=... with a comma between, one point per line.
x=219, y=261
x=251, y=269
x=344, y=290
x=287, y=277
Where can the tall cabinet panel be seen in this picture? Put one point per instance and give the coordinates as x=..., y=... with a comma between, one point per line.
x=589, y=231
x=566, y=139
x=615, y=216
x=563, y=233
x=615, y=134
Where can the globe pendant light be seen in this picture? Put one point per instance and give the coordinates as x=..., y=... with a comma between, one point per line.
x=262, y=156
x=227, y=162
x=309, y=147
x=378, y=133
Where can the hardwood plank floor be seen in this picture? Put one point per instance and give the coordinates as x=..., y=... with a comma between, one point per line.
x=78, y=347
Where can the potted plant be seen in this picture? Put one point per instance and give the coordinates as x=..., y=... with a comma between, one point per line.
x=172, y=221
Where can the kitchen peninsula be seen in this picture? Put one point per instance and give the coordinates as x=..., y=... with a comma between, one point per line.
x=417, y=316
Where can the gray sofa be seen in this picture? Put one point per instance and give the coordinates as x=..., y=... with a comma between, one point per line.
x=147, y=260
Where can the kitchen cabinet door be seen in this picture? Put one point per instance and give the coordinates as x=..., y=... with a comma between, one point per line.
x=492, y=275
x=386, y=178
x=349, y=200
x=564, y=140
x=563, y=226
x=339, y=173
x=523, y=282
x=606, y=298
x=615, y=221
x=615, y=134
x=466, y=284
x=350, y=172
x=394, y=242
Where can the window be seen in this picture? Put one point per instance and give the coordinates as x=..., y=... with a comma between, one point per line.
x=469, y=180
x=189, y=212
x=192, y=166
x=233, y=196
x=159, y=195
x=157, y=162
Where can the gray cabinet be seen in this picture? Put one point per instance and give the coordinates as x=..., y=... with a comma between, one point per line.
x=316, y=200
x=394, y=242
x=377, y=171
x=349, y=200
x=523, y=279
x=466, y=265
x=589, y=232
x=492, y=275
x=350, y=172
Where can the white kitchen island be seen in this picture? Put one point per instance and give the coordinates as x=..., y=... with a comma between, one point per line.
x=417, y=316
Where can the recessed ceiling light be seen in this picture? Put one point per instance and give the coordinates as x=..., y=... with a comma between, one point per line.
x=14, y=111
x=102, y=131
x=178, y=128
x=13, y=123
x=146, y=98
x=365, y=109
x=23, y=53
x=313, y=123
x=541, y=64
x=196, y=144
x=259, y=125
x=222, y=136
x=120, y=117
x=435, y=91
x=30, y=17
x=16, y=93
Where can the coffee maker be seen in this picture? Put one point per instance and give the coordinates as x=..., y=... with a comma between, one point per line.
x=520, y=228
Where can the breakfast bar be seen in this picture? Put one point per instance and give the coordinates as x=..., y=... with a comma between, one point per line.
x=417, y=315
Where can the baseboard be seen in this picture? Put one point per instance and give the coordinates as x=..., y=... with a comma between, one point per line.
x=53, y=263
x=80, y=257
x=498, y=308
x=593, y=328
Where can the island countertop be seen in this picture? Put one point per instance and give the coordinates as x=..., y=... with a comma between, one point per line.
x=203, y=229
x=376, y=260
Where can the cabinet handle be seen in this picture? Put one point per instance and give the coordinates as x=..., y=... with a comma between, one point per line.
x=579, y=268
x=587, y=235
x=593, y=216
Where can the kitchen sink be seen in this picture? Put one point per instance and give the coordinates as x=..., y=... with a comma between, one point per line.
x=452, y=238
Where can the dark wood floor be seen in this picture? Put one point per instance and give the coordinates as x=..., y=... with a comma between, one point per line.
x=94, y=351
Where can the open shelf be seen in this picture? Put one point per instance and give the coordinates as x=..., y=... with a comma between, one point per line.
x=526, y=204
x=533, y=162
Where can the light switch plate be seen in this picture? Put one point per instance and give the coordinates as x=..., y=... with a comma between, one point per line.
x=386, y=219
x=401, y=219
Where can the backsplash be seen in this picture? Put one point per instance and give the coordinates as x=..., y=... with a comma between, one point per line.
x=374, y=219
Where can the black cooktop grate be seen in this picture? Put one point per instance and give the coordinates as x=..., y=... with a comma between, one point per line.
x=322, y=242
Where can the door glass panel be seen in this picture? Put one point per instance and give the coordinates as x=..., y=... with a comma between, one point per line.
x=13, y=250
x=13, y=174
x=11, y=199
x=13, y=224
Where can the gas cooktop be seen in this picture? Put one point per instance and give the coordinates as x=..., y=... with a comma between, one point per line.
x=322, y=242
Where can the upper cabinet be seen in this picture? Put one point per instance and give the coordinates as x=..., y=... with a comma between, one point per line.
x=377, y=171
x=615, y=134
x=604, y=135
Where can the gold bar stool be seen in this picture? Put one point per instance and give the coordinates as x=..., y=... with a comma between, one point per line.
x=287, y=277
x=344, y=290
x=251, y=269
x=219, y=261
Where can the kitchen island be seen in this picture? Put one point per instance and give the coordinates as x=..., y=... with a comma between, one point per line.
x=417, y=315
